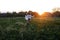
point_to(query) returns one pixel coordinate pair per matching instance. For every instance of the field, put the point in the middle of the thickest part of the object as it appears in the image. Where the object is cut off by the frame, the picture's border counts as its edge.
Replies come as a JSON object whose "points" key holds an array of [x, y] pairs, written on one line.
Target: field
{"points": [[38, 29]]}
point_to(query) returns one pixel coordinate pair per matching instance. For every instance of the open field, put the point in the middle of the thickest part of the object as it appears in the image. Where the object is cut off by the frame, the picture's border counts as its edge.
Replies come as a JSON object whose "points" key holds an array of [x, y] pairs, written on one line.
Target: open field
{"points": [[38, 29]]}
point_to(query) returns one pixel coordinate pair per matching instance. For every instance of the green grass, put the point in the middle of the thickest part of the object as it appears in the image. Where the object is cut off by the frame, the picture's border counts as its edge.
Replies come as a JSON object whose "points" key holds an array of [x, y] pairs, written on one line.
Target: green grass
{"points": [[38, 29]]}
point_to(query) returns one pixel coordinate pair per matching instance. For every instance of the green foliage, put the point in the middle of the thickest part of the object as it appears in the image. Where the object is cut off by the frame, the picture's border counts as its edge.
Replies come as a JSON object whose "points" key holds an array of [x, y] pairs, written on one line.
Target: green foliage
{"points": [[38, 29]]}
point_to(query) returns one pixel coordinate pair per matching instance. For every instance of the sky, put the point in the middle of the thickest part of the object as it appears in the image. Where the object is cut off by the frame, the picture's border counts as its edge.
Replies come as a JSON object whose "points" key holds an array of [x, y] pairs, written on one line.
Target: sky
{"points": [[39, 6]]}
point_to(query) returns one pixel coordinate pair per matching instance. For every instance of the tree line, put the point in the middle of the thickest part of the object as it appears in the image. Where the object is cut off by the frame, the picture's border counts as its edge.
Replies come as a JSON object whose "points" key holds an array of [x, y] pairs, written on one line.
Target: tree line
{"points": [[22, 14], [49, 14], [19, 14]]}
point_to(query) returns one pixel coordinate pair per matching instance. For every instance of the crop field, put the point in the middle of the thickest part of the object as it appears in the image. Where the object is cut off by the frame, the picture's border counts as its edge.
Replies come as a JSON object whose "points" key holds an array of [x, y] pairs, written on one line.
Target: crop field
{"points": [[38, 29]]}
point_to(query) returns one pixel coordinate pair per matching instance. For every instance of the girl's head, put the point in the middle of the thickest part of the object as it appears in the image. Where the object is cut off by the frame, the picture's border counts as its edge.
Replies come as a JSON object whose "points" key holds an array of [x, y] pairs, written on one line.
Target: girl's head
{"points": [[29, 13]]}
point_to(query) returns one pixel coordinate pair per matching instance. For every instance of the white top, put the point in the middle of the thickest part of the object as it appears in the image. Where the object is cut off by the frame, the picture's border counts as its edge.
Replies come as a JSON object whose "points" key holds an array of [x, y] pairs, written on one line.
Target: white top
{"points": [[28, 17]]}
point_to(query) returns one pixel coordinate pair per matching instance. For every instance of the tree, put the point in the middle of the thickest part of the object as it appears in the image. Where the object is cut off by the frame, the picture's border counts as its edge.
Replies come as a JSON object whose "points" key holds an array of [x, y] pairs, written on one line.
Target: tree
{"points": [[21, 14], [35, 14], [56, 14], [46, 14], [14, 14], [8, 14], [56, 9]]}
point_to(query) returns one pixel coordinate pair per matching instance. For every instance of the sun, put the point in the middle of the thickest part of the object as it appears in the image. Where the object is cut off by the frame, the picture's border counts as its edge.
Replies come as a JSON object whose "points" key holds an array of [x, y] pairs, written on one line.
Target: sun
{"points": [[40, 12], [45, 10]]}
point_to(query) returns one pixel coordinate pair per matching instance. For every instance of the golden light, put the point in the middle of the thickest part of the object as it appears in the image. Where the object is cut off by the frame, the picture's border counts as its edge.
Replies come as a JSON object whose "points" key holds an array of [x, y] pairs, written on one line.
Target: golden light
{"points": [[41, 12]]}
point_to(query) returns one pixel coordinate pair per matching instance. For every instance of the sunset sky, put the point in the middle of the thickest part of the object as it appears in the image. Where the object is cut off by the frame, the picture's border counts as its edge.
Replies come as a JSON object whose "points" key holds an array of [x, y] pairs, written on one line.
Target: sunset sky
{"points": [[26, 5]]}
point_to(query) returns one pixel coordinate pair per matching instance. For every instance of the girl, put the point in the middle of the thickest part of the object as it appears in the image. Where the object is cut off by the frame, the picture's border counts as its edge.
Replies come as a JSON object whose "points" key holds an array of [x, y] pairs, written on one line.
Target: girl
{"points": [[28, 17]]}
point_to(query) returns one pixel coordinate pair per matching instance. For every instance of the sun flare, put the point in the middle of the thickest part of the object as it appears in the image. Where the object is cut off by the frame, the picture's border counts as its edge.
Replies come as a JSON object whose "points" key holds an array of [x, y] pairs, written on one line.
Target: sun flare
{"points": [[42, 11]]}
